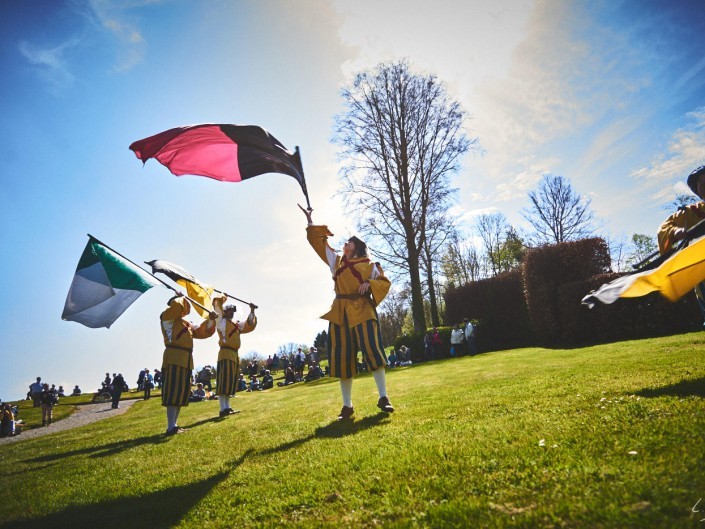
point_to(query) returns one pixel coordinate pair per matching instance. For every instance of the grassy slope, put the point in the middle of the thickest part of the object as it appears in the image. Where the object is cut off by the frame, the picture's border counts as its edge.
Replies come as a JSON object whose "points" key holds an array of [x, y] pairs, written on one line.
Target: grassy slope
{"points": [[462, 450]]}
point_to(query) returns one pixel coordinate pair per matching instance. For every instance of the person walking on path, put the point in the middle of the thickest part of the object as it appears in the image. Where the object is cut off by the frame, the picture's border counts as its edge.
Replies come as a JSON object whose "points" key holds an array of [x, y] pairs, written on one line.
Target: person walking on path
{"points": [[360, 285], [177, 361], [35, 390], [229, 332], [116, 387]]}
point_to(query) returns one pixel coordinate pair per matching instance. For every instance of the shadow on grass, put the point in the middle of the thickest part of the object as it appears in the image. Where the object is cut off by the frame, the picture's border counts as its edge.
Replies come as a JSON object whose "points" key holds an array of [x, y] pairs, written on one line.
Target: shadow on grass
{"points": [[103, 450], [333, 430], [161, 509], [684, 388]]}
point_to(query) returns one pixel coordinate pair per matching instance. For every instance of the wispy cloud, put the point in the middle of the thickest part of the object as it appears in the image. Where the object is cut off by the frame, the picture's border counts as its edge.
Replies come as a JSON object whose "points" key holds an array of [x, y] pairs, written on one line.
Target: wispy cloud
{"points": [[114, 17], [50, 63], [684, 152]]}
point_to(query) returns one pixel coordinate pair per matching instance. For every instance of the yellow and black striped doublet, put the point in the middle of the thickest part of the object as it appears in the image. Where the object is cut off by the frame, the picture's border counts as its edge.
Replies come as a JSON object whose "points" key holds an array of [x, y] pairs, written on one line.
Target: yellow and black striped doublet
{"points": [[177, 385], [344, 342], [226, 378]]}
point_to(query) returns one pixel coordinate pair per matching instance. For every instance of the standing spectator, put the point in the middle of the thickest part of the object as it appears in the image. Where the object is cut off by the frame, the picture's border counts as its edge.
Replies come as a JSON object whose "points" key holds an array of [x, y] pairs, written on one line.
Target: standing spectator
{"points": [[428, 346], [275, 363], [177, 361], [436, 343], [48, 400], [312, 356], [360, 286], [35, 390], [470, 344], [147, 384], [158, 378], [116, 387], [229, 332], [457, 337], [140, 379]]}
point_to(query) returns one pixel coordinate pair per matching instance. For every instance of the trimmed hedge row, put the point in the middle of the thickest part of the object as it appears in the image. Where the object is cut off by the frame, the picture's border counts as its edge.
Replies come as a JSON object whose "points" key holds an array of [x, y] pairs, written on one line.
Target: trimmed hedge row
{"points": [[541, 303]]}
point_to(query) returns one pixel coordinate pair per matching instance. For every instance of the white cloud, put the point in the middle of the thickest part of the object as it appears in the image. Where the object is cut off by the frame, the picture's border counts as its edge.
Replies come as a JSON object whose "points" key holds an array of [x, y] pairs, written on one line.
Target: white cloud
{"points": [[50, 62], [684, 152]]}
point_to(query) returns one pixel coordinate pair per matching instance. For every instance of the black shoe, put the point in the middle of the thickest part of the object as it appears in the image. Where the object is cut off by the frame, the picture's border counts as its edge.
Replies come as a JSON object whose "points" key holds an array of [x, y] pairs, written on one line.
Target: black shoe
{"points": [[345, 413], [175, 430], [384, 405]]}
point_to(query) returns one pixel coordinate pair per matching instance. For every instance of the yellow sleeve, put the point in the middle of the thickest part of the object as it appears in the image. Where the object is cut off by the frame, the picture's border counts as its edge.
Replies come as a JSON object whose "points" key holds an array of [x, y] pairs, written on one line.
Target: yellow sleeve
{"points": [[318, 239], [249, 327], [686, 219], [204, 330], [379, 286]]}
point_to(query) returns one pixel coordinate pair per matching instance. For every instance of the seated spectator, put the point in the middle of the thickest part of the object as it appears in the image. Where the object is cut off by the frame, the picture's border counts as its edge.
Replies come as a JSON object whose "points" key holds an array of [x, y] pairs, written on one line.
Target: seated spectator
{"points": [[198, 394], [61, 391], [254, 384], [267, 380], [289, 377], [7, 420], [392, 359], [314, 373], [76, 391], [241, 384]]}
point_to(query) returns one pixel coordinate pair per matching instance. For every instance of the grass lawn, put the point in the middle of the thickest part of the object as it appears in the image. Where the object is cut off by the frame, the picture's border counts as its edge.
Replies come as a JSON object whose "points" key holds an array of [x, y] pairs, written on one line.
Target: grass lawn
{"points": [[604, 436]]}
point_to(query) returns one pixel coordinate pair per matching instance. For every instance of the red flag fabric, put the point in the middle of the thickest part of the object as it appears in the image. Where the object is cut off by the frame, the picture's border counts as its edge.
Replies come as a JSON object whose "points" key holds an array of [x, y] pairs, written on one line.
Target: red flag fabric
{"points": [[229, 153]]}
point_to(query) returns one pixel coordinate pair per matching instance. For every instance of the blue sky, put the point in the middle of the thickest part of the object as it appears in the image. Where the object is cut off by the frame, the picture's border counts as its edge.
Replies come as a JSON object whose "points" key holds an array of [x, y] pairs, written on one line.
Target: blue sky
{"points": [[609, 94]]}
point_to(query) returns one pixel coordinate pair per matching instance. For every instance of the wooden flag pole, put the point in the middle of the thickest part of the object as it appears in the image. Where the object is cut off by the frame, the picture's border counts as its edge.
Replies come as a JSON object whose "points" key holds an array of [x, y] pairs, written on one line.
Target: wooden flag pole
{"points": [[150, 273], [233, 297], [303, 180]]}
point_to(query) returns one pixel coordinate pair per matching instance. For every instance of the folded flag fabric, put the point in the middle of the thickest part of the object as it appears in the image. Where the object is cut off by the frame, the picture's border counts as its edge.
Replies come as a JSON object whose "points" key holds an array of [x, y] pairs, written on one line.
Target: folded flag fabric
{"points": [[229, 153], [103, 287], [673, 275], [194, 288]]}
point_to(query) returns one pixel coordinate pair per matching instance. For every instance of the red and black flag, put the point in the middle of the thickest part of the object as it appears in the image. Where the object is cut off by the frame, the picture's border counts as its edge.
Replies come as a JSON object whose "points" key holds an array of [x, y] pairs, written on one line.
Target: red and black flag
{"points": [[229, 153]]}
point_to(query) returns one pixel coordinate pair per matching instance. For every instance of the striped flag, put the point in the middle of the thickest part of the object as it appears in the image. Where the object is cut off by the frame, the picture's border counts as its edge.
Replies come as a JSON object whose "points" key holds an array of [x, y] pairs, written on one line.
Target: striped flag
{"points": [[103, 287], [194, 288], [229, 153]]}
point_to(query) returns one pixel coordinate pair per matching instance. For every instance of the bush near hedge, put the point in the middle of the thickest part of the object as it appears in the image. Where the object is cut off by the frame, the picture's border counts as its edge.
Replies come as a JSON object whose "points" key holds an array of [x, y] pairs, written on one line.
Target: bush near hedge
{"points": [[498, 308], [548, 267]]}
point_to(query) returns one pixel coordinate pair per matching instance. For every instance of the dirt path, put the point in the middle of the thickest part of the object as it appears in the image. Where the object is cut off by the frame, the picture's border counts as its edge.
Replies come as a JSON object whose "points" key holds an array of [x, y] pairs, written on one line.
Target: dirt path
{"points": [[85, 414]]}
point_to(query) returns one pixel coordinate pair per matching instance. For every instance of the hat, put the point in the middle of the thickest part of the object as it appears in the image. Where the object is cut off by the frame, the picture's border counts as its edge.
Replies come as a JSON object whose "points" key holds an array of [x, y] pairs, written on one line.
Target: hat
{"points": [[693, 178]]}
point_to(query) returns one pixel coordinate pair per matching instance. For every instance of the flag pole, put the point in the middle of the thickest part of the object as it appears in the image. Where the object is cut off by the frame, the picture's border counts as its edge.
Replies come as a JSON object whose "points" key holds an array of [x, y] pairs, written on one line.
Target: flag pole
{"points": [[303, 180], [151, 274], [233, 297]]}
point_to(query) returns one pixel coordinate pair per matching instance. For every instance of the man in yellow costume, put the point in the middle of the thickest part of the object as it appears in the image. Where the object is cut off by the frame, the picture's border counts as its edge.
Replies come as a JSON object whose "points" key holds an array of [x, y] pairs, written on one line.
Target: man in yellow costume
{"points": [[229, 340], [360, 285], [177, 362], [675, 227]]}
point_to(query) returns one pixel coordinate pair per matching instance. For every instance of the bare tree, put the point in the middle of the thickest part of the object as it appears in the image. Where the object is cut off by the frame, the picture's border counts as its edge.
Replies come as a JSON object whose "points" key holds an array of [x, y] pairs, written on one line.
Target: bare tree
{"points": [[681, 201], [460, 262], [557, 212], [492, 227], [392, 313], [402, 138], [642, 247], [439, 230]]}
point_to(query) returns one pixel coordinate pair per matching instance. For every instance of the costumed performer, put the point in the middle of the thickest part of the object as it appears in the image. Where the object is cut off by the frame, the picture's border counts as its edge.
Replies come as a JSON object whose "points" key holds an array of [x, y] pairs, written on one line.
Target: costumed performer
{"points": [[674, 228], [229, 340], [360, 285], [177, 362]]}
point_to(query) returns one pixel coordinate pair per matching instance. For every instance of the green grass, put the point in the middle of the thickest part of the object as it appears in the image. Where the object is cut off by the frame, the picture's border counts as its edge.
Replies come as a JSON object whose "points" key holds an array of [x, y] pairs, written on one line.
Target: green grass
{"points": [[463, 449]]}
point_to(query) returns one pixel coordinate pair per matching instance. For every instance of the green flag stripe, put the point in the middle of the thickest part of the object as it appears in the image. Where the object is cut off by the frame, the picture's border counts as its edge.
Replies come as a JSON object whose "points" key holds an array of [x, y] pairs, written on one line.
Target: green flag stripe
{"points": [[122, 274]]}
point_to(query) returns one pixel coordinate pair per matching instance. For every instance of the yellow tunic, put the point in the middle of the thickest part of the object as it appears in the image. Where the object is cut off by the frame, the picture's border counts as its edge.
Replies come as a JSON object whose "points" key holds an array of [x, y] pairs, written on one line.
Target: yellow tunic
{"points": [[229, 332], [179, 334], [348, 276], [685, 218]]}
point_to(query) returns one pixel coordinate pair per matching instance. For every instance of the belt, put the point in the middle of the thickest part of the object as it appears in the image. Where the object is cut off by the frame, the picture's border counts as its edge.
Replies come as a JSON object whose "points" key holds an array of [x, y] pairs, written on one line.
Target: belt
{"points": [[350, 296], [229, 348], [189, 349]]}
